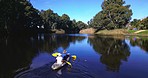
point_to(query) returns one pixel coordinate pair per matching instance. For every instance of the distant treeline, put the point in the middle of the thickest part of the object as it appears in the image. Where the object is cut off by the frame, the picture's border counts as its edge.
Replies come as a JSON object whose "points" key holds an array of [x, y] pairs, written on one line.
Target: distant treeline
{"points": [[19, 16], [139, 24]]}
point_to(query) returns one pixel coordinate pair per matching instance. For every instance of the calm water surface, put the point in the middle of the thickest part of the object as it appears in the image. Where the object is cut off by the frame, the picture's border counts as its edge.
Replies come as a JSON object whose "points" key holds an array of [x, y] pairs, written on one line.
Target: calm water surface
{"points": [[97, 56]]}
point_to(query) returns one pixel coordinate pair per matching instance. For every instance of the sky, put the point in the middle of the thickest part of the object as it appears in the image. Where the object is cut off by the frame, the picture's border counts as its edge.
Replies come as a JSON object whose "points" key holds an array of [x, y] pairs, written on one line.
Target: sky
{"points": [[84, 10]]}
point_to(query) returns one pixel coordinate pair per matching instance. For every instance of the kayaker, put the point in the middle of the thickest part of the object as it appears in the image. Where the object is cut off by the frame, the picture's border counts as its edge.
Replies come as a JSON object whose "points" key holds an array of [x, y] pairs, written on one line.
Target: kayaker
{"points": [[64, 52], [59, 58], [65, 55]]}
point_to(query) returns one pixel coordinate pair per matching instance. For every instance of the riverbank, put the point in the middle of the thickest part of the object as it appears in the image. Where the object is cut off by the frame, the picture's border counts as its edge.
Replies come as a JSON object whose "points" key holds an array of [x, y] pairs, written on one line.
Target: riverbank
{"points": [[124, 32], [112, 32], [116, 32], [87, 31]]}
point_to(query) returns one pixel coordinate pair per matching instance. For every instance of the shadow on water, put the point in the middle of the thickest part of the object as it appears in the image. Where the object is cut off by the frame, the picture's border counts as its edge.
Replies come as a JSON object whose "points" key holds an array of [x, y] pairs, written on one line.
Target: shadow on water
{"points": [[15, 53], [113, 51], [18, 52]]}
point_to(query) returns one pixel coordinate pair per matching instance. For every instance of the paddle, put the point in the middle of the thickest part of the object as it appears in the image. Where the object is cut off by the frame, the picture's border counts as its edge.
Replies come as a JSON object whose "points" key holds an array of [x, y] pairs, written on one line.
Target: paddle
{"points": [[68, 63], [74, 57], [55, 54]]}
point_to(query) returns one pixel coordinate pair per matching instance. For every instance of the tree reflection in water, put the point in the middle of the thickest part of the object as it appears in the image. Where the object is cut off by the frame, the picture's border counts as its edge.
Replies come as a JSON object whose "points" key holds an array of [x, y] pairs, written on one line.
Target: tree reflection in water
{"points": [[142, 42], [113, 51]]}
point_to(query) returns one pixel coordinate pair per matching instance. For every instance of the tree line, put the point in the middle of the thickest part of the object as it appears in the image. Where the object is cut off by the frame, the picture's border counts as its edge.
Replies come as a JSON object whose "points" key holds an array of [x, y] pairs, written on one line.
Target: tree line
{"points": [[139, 24], [19, 16]]}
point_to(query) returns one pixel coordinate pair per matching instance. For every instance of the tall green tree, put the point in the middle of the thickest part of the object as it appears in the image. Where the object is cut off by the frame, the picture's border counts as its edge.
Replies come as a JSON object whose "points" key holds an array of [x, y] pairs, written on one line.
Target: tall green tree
{"points": [[65, 17], [50, 19], [67, 24], [81, 25], [114, 14], [18, 16]]}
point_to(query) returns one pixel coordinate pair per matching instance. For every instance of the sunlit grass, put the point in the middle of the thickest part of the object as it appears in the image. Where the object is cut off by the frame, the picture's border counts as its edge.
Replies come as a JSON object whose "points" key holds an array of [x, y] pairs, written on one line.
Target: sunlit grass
{"points": [[144, 32], [113, 32], [131, 31]]}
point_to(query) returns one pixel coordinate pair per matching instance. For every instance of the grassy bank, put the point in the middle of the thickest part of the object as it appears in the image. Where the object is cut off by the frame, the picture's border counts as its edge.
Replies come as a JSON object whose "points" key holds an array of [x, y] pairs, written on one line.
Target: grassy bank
{"points": [[131, 31], [138, 32], [123, 32], [144, 32], [112, 32]]}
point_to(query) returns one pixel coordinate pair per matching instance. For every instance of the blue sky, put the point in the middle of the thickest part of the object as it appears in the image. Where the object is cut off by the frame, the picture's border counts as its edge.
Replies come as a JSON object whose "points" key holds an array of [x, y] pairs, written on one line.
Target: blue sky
{"points": [[84, 10]]}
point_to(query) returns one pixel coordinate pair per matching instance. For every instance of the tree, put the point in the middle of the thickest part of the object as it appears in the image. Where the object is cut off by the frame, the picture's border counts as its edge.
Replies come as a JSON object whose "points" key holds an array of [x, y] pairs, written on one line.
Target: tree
{"points": [[114, 14], [50, 19], [144, 23], [65, 17], [67, 24], [135, 22], [140, 24], [18, 16], [33, 19], [81, 25]]}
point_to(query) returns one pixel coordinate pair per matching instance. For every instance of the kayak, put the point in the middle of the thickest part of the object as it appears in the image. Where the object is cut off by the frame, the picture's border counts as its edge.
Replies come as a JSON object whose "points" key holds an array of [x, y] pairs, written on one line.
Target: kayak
{"points": [[56, 66]]}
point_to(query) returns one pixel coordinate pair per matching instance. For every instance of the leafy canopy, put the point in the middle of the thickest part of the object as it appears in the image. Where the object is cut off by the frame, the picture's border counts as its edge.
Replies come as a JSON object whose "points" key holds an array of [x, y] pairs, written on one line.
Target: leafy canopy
{"points": [[114, 15]]}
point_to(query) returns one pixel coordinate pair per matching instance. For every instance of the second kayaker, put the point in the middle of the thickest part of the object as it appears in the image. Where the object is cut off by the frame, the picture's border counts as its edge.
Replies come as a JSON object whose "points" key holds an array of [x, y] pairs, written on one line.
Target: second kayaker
{"points": [[59, 58]]}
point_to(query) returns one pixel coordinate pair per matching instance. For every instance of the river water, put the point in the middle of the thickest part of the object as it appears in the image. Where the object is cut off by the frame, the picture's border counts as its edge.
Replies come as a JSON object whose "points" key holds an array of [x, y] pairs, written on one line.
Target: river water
{"points": [[97, 56]]}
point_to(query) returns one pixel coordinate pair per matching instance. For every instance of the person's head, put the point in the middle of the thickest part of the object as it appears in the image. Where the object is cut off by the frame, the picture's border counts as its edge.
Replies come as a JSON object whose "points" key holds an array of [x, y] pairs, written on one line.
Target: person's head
{"points": [[64, 51]]}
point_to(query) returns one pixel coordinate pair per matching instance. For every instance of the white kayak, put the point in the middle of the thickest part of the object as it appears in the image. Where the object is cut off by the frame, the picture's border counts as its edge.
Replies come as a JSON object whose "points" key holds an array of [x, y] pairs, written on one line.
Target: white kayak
{"points": [[56, 66]]}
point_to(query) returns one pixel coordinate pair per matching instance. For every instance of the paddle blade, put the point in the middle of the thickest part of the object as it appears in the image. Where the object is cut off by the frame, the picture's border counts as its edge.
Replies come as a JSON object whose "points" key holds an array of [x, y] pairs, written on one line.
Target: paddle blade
{"points": [[74, 57], [68, 63], [55, 54]]}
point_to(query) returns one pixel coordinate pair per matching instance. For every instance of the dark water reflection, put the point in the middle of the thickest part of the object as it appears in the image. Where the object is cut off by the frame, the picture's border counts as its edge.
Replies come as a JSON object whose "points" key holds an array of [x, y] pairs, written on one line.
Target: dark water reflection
{"points": [[140, 42], [113, 51], [98, 56]]}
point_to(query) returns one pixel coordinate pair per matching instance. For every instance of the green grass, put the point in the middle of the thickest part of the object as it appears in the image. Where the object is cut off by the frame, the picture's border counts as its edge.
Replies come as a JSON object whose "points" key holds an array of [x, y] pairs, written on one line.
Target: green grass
{"points": [[131, 31], [122, 32], [144, 32]]}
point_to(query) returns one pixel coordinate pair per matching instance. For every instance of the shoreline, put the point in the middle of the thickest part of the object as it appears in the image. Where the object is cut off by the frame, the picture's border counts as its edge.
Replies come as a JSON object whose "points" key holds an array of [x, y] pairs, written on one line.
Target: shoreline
{"points": [[116, 32], [143, 35]]}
